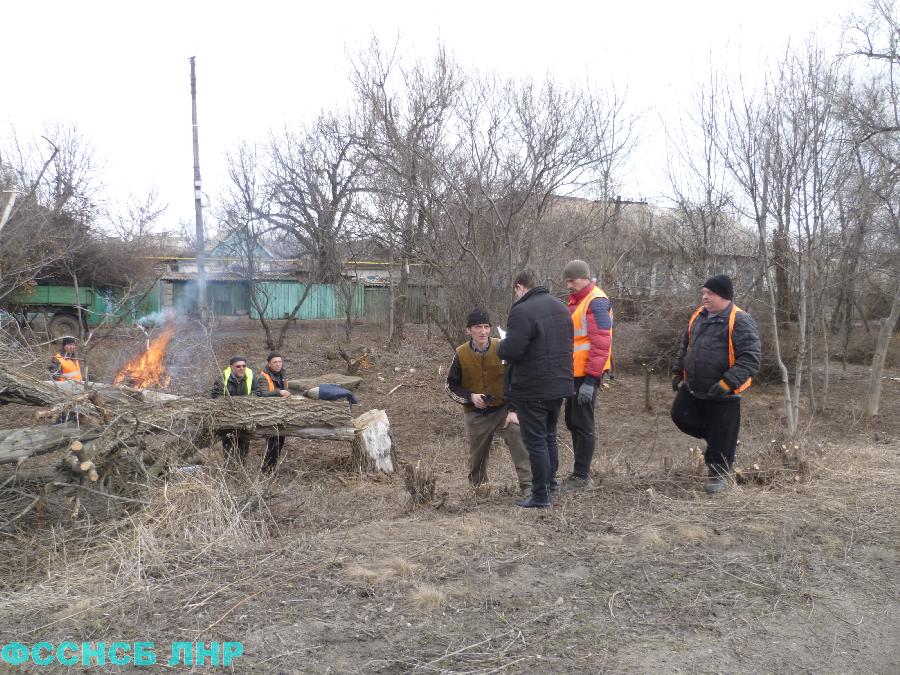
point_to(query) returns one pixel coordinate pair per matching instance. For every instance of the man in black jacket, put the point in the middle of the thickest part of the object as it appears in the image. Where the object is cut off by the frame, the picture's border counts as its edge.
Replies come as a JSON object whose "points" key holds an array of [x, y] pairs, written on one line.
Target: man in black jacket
{"points": [[538, 349], [272, 383], [719, 353], [236, 380]]}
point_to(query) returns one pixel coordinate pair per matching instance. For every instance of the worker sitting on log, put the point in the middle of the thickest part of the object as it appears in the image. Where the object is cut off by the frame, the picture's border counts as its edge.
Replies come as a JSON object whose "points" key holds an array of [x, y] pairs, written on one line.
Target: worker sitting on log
{"points": [[475, 379], [64, 366], [272, 383], [236, 380]]}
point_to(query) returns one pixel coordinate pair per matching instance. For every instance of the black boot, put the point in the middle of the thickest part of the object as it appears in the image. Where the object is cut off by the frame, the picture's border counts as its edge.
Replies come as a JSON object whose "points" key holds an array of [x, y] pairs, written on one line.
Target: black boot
{"points": [[532, 503]]}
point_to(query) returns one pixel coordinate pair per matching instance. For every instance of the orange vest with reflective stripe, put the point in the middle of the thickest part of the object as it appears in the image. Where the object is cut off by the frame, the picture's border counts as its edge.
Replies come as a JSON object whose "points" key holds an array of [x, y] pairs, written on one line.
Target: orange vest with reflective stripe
{"points": [[269, 380], [731, 358], [582, 340], [69, 369]]}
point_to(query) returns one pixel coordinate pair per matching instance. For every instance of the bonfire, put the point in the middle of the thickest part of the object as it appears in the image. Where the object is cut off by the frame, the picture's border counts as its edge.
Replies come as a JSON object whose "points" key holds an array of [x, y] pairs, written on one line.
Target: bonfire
{"points": [[148, 369]]}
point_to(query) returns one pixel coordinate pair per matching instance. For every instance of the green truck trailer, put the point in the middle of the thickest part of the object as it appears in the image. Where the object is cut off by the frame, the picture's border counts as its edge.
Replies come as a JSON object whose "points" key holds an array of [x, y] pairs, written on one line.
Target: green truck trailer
{"points": [[69, 312]]}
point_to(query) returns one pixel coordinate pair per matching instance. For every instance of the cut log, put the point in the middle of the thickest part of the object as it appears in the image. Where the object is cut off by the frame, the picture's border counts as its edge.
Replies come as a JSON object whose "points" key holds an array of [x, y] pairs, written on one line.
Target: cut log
{"points": [[302, 384], [373, 447], [20, 444]]}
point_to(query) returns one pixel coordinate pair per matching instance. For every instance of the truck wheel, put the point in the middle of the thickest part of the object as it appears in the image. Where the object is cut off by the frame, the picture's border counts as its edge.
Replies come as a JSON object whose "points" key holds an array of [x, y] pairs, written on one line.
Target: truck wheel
{"points": [[63, 324]]}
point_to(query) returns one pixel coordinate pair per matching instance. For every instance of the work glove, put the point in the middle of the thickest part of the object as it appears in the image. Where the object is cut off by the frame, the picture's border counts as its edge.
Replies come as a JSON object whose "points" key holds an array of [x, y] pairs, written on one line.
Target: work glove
{"points": [[501, 333], [586, 393], [719, 389], [677, 380]]}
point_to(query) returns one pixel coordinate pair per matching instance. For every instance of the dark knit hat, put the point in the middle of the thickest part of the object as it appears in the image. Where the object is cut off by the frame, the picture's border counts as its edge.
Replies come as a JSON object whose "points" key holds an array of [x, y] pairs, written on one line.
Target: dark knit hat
{"points": [[69, 340], [235, 359], [576, 269], [720, 285], [273, 355], [478, 316]]}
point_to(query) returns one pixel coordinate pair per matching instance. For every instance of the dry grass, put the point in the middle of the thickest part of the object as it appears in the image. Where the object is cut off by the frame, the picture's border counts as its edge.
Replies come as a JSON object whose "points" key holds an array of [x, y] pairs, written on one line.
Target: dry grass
{"points": [[428, 597]]}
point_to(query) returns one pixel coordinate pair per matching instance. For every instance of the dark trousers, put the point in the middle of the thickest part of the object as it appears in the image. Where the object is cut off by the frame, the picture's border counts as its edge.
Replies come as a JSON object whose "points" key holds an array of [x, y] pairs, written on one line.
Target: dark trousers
{"points": [[580, 422], [718, 421], [236, 445], [274, 444], [538, 420]]}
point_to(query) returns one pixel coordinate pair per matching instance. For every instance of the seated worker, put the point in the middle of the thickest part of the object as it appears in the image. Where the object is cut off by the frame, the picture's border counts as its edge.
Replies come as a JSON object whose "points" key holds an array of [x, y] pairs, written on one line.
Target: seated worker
{"points": [[475, 379]]}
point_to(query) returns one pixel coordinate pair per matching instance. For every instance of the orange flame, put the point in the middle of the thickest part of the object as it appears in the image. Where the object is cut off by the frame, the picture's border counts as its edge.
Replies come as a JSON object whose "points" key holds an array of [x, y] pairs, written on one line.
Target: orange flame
{"points": [[147, 369]]}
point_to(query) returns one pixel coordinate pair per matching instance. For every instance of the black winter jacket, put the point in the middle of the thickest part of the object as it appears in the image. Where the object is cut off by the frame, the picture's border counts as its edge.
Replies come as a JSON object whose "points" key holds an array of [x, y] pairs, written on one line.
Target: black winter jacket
{"points": [[538, 349], [706, 360]]}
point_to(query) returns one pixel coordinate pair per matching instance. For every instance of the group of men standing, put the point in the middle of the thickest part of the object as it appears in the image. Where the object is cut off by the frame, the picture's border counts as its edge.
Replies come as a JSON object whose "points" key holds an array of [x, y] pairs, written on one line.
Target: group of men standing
{"points": [[554, 354]]}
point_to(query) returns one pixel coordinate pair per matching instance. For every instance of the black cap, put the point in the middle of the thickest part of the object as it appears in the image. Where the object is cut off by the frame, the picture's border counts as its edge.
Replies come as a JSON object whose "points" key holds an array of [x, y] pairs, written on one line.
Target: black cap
{"points": [[720, 285], [478, 316], [273, 355], [235, 359], [69, 340]]}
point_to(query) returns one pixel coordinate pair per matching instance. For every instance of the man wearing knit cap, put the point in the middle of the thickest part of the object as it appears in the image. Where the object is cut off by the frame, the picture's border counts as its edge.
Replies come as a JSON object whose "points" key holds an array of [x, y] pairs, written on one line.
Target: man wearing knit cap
{"points": [[592, 356], [272, 383], [475, 380], [65, 366], [719, 353], [235, 380]]}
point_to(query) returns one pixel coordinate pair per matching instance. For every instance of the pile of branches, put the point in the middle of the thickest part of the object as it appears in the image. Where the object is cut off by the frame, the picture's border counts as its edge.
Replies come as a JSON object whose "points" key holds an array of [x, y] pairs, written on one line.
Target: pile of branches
{"points": [[111, 437]]}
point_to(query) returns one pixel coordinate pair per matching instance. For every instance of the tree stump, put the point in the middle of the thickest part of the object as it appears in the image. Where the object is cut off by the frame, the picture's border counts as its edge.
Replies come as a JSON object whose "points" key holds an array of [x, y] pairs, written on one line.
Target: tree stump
{"points": [[373, 447]]}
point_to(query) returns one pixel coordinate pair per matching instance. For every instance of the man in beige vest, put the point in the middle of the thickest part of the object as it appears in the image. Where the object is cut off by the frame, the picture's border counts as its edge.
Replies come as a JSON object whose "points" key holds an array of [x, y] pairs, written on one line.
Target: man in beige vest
{"points": [[475, 380]]}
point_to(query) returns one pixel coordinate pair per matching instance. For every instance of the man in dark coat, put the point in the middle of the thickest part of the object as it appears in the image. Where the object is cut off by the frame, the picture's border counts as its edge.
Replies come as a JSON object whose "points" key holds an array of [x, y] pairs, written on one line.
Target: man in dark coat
{"points": [[272, 383], [538, 350], [719, 353], [236, 380]]}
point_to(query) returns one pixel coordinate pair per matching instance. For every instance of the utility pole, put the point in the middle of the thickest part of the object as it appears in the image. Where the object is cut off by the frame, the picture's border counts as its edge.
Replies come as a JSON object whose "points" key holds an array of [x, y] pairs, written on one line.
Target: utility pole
{"points": [[198, 206]]}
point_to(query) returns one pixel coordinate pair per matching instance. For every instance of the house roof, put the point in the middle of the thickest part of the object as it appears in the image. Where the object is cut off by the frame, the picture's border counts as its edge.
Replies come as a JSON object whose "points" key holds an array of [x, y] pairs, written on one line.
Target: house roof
{"points": [[221, 275]]}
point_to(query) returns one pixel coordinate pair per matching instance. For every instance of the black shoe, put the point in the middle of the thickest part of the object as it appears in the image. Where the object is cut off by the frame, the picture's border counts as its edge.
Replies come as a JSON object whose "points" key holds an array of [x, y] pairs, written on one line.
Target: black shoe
{"points": [[715, 485], [531, 503]]}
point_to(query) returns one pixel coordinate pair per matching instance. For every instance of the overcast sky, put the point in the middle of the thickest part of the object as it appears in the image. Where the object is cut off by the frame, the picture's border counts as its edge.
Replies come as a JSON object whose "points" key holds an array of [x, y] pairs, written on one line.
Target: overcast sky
{"points": [[120, 72]]}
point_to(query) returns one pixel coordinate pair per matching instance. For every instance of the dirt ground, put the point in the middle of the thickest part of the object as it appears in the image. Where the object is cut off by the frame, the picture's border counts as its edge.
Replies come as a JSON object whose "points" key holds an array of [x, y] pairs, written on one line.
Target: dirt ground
{"points": [[323, 570]]}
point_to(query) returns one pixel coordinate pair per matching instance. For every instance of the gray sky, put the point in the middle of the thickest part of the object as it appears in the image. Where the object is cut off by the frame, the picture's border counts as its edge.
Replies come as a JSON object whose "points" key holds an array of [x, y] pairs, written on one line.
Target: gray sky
{"points": [[119, 70]]}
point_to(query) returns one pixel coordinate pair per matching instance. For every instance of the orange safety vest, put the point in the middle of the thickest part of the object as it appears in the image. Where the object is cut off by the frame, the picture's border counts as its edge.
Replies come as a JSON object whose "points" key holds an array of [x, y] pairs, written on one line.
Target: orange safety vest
{"points": [[731, 358], [269, 380], [582, 341], [69, 369]]}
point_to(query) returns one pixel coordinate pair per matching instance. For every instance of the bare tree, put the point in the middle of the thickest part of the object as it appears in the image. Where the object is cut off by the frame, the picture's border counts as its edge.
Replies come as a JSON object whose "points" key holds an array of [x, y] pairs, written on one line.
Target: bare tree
{"points": [[875, 117], [409, 109]]}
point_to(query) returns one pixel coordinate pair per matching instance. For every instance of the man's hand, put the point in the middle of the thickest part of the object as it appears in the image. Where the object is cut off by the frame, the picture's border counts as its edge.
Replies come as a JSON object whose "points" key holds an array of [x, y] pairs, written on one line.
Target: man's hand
{"points": [[478, 401], [586, 393], [284, 393], [511, 418], [719, 389], [677, 381]]}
